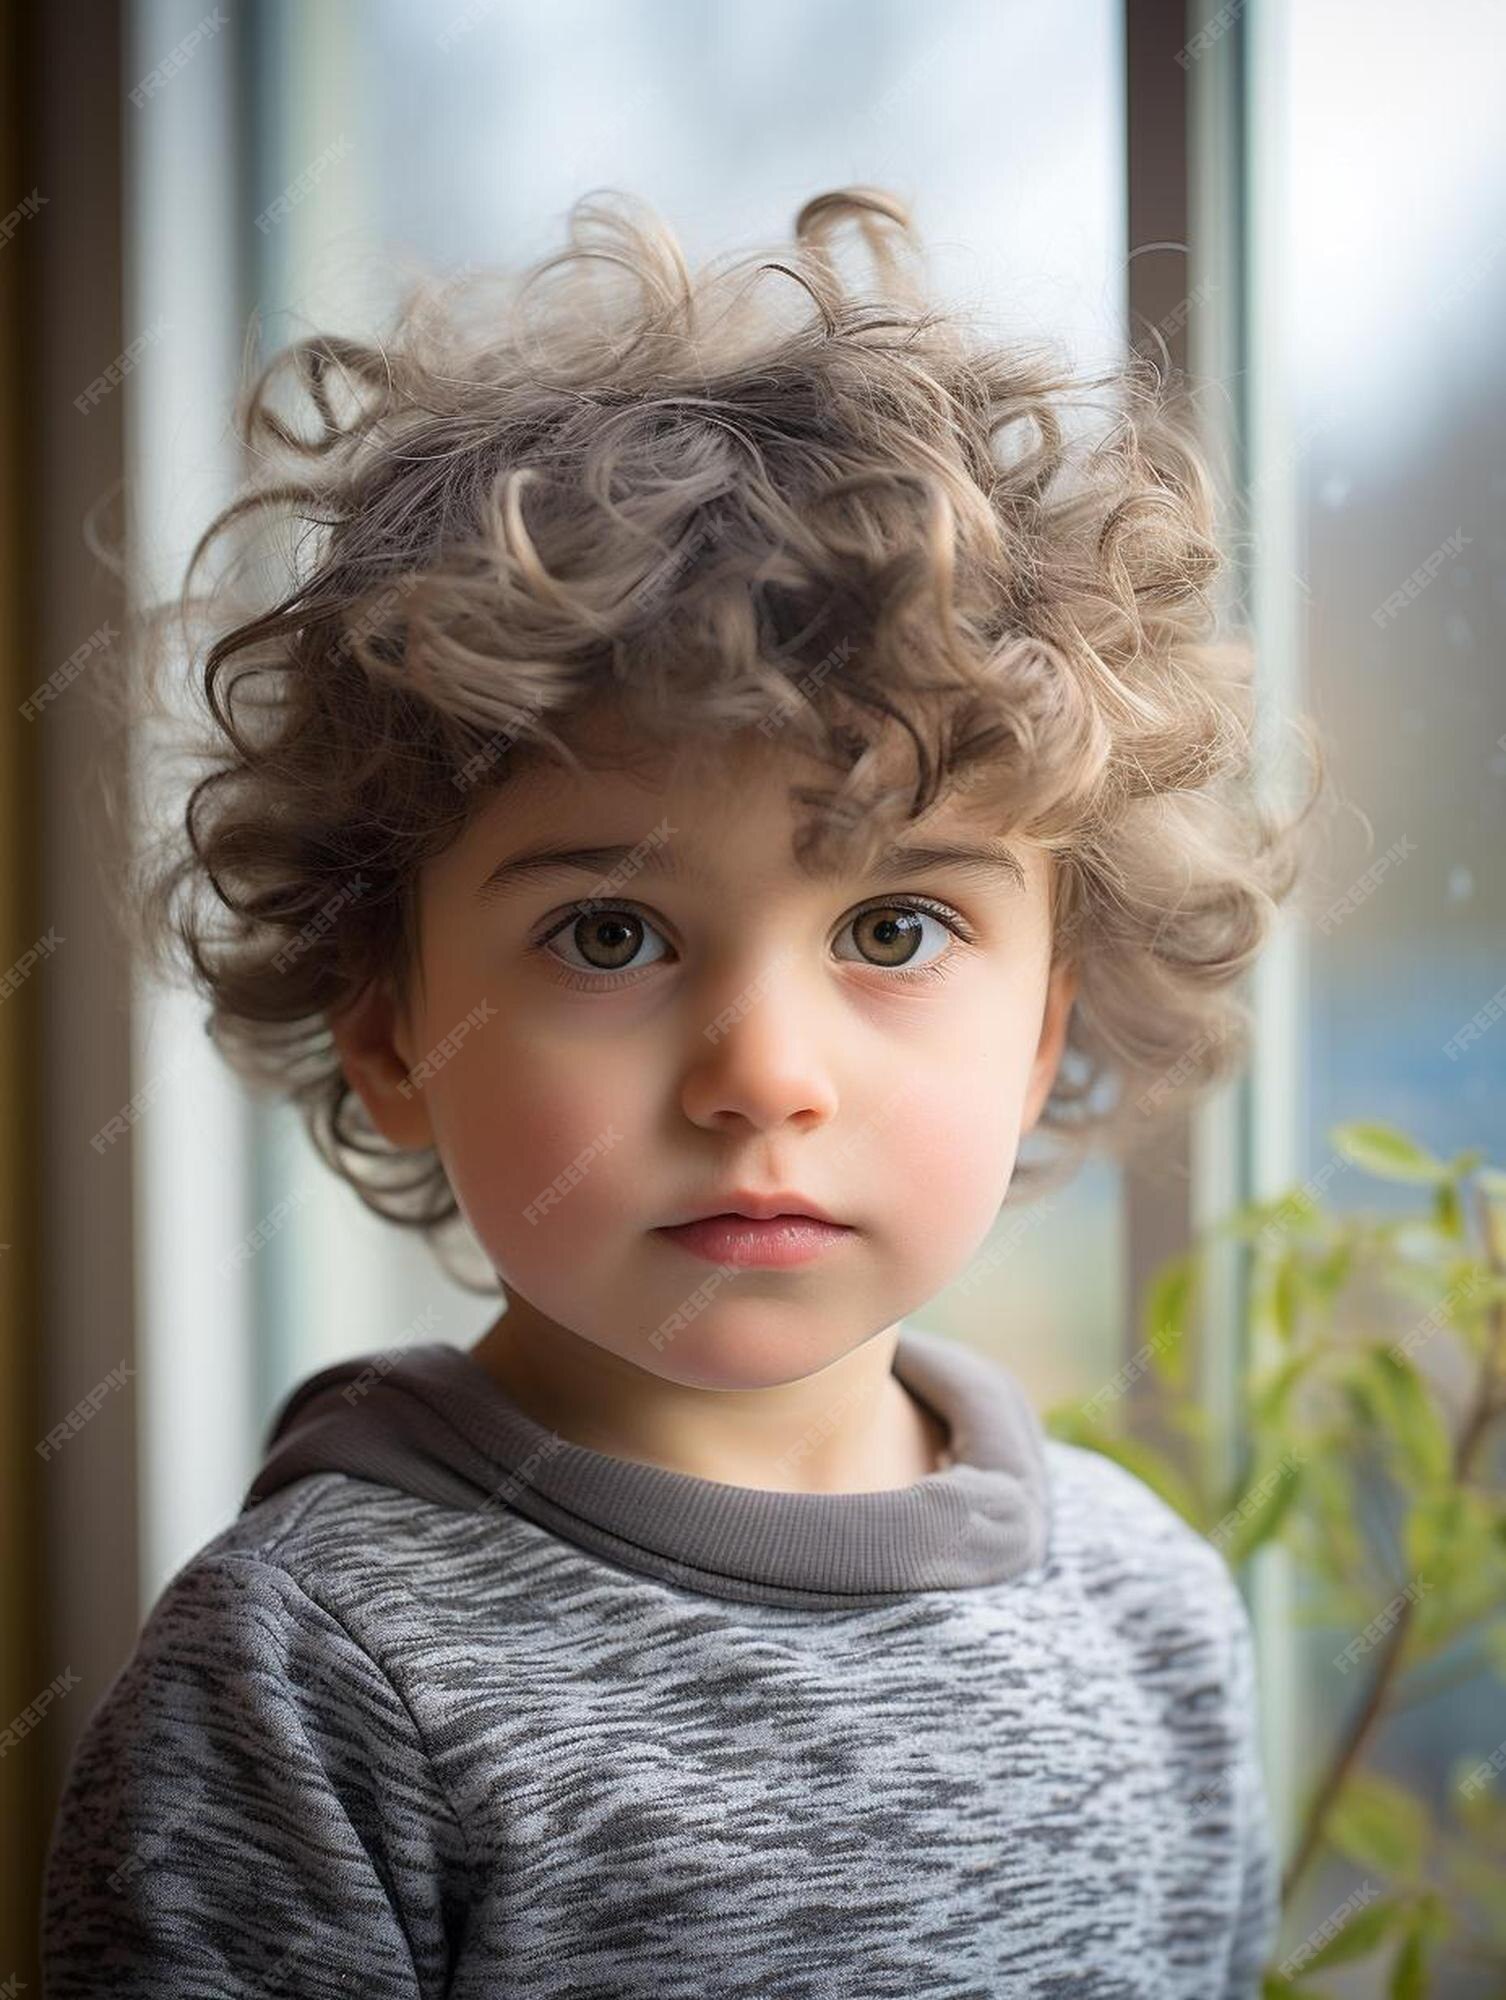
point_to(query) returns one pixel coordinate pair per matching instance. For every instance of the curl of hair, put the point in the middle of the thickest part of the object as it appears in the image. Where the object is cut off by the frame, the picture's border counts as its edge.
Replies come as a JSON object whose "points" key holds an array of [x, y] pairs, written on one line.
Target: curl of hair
{"points": [[858, 526]]}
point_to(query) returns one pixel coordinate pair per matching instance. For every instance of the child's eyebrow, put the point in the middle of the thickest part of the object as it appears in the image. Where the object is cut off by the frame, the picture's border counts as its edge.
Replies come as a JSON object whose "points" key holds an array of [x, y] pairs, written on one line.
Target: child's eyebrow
{"points": [[992, 859]]}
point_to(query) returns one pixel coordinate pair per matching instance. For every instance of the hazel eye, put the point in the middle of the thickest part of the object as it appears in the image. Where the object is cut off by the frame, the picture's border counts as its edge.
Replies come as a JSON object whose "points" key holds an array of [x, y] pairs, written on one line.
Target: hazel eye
{"points": [[607, 940], [597, 947], [890, 935]]}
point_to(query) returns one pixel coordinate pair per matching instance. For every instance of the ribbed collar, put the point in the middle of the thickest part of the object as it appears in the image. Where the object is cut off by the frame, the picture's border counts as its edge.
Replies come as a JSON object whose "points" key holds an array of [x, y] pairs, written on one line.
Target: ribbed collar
{"points": [[432, 1422]]}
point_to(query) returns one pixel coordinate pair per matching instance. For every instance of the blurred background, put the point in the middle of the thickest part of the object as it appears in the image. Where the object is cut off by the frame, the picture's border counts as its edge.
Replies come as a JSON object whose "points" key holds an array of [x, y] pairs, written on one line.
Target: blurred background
{"points": [[1306, 205]]}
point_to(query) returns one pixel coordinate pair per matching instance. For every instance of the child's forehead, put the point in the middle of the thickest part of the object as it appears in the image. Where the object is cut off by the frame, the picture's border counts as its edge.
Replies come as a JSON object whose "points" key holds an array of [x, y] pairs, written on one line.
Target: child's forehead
{"points": [[725, 815], [702, 786], [665, 807], [699, 776]]}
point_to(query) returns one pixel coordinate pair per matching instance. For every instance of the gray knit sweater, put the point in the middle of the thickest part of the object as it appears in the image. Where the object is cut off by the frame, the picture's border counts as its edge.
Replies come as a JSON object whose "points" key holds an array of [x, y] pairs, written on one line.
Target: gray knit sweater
{"points": [[457, 1708]]}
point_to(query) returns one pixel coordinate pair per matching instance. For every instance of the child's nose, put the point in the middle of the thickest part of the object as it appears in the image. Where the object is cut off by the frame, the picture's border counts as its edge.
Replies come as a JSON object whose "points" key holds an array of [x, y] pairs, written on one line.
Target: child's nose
{"points": [[765, 1056]]}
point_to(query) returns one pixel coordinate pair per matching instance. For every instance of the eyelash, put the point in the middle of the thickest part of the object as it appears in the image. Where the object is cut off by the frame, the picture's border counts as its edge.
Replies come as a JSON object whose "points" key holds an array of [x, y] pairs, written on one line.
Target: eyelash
{"points": [[607, 982]]}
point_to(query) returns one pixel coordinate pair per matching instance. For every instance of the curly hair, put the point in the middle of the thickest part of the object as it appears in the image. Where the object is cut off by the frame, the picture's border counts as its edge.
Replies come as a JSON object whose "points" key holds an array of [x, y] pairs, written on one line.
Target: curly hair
{"points": [[862, 525]]}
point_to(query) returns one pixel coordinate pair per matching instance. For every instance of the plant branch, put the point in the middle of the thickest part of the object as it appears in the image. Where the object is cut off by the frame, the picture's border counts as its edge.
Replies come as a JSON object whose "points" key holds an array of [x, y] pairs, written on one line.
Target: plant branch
{"points": [[1359, 1734], [1483, 1408]]}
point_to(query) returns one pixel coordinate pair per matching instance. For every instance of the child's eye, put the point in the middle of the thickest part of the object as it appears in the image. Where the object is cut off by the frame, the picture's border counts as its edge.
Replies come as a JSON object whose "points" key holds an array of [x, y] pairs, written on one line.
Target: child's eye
{"points": [[612, 935], [891, 936], [609, 938]]}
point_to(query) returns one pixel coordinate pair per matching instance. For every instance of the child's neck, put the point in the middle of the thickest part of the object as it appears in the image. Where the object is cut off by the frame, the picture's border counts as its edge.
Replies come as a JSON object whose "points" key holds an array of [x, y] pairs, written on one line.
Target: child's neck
{"points": [[855, 1428]]}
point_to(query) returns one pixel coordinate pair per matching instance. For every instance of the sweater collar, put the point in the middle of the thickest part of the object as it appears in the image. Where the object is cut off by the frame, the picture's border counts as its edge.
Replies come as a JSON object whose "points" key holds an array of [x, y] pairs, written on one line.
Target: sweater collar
{"points": [[433, 1423]]}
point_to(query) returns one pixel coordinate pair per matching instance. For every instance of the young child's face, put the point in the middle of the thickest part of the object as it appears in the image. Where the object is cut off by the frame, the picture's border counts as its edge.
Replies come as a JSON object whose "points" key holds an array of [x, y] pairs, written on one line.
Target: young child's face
{"points": [[579, 1108]]}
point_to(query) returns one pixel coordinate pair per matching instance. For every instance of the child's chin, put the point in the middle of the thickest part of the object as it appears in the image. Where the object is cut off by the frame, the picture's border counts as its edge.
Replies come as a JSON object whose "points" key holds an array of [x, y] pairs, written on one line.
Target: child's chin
{"points": [[761, 1345]]}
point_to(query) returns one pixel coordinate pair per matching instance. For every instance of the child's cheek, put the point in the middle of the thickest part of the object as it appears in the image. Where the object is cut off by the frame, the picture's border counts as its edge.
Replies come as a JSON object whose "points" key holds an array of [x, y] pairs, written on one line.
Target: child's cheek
{"points": [[543, 1160], [949, 1152]]}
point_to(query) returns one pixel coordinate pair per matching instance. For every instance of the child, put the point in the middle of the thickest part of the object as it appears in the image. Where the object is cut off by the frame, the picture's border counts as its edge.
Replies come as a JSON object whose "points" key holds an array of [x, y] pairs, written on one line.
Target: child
{"points": [[707, 777]]}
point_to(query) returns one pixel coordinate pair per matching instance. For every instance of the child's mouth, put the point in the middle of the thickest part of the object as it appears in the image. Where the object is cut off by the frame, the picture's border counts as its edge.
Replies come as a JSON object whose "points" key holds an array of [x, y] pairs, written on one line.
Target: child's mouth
{"points": [[780, 1241]]}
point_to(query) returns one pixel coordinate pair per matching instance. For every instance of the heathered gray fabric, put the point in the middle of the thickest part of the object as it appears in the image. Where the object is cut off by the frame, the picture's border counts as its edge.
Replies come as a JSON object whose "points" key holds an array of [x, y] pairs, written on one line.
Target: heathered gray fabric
{"points": [[445, 1712], [439, 1427]]}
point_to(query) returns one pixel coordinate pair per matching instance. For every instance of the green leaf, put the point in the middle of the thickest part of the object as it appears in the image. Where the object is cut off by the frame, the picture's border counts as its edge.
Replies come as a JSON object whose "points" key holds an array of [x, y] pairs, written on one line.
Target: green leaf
{"points": [[1268, 1393], [1286, 1296], [1329, 1488], [1466, 1293], [1388, 1154], [1492, 1187], [1192, 1420], [1469, 1280], [1293, 1213], [1419, 1280], [1448, 1214], [1276, 1292], [1260, 1511], [1361, 1934], [1411, 1415], [1409, 1972], [1435, 1920], [1362, 1392], [1327, 1275], [1164, 1322], [1379, 1825], [1243, 1224], [1453, 1540], [1434, 1529]]}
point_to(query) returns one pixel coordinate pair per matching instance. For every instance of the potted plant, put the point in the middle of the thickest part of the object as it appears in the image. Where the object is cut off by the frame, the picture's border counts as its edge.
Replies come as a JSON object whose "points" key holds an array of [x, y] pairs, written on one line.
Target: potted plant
{"points": [[1367, 1455]]}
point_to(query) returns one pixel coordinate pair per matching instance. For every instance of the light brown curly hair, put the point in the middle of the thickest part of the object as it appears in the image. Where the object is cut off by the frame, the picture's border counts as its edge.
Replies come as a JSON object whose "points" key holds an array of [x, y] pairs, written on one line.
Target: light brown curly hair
{"points": [[861, 525]]}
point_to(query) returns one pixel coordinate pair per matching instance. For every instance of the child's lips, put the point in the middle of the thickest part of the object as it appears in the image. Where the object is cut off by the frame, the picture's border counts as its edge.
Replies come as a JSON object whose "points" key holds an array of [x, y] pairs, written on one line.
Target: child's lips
{"points": [[779, 1242]]}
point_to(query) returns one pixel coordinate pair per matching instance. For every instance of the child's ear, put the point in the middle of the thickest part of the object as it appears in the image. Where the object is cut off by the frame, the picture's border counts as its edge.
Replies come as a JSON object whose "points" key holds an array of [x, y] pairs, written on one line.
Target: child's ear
{"points": [[1060, 993], [372, 1042]]}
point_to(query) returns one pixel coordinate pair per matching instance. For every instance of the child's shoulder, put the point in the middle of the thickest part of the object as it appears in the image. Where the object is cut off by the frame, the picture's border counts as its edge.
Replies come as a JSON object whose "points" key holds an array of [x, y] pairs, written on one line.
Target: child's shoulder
{"points": [[1156, 1591], [1084, 1478], [349, 1550], [330, 1515], [1118, 1533]]}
